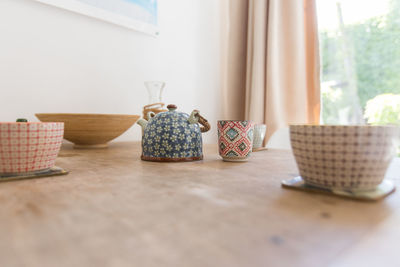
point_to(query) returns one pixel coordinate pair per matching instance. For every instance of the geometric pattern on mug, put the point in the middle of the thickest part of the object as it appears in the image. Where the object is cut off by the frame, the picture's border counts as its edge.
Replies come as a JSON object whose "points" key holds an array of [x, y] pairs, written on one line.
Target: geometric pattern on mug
{"points": [[26, 147], [235, 138]]}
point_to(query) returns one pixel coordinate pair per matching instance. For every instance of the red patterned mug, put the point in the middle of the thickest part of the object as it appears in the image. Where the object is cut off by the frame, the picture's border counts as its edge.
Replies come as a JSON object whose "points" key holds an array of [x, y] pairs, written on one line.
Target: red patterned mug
{"points": [[235, 139]]}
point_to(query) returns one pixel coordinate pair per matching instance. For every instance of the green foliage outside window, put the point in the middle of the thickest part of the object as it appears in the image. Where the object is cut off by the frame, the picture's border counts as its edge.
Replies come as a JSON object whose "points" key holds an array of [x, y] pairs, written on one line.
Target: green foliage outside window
{"points": [[383, 109], [375, 46], [371, 50]]}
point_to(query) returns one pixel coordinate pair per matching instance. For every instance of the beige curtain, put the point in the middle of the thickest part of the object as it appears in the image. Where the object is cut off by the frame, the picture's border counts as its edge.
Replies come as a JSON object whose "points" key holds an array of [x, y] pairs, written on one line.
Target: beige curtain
{"points": [[270, 62]]}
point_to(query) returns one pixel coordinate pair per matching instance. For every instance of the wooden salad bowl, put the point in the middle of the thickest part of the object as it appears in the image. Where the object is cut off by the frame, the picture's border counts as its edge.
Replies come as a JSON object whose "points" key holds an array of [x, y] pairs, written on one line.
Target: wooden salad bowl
{"points": [[90, 130]]}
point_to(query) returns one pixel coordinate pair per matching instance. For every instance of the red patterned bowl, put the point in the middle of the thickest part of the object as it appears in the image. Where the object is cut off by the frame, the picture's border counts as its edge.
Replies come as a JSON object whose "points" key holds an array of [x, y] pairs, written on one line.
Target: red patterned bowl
{"points": [[29, 146]]}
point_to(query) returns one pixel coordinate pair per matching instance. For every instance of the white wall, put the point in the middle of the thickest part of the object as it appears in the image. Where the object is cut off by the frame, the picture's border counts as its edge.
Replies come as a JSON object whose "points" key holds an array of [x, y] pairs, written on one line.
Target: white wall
{"points": [[53, 60]]}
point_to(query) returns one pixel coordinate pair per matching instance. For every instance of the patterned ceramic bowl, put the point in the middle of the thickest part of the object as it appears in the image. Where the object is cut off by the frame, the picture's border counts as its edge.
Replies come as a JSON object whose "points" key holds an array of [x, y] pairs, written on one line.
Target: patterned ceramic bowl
{"points": [[343, 157], [29, 146]]}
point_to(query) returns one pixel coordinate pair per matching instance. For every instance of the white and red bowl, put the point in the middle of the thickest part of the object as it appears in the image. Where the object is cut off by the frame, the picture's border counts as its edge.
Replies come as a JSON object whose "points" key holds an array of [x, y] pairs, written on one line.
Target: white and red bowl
{"points": [[29, 146], [343, 157]]}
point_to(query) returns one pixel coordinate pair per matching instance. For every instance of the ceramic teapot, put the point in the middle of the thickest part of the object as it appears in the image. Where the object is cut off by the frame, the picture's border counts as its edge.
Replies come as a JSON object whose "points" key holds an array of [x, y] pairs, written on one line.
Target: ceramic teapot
{"points": [[173, 135]]}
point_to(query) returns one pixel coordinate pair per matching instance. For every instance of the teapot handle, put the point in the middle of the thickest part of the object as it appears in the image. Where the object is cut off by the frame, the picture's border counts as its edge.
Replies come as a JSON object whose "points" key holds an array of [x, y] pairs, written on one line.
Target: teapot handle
{"points": [[205, 125], [153, 109], [154, 105]]}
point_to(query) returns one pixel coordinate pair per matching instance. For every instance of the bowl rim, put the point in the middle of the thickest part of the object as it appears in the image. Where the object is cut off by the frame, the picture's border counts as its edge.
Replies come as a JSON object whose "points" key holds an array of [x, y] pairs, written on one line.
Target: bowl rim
{"points": [[88, 114]]}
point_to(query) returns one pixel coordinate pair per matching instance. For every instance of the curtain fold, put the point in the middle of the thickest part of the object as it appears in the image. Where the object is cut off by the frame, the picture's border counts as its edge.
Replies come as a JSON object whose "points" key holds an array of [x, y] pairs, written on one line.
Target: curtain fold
{"points": [[271, 62], [234, 49]]}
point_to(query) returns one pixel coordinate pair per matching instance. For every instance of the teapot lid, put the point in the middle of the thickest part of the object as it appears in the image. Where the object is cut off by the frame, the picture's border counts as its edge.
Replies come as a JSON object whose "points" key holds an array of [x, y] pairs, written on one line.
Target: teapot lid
{"points": [[172, 107]]}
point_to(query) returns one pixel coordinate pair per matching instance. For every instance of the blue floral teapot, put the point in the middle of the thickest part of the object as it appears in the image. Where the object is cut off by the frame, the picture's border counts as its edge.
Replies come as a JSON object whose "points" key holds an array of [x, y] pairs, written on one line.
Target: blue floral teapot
{"points": [[173, 135]]}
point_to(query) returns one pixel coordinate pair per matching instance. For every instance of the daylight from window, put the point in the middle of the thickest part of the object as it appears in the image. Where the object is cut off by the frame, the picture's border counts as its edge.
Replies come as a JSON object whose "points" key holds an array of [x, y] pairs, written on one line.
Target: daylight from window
{"points": [[360, 60]]}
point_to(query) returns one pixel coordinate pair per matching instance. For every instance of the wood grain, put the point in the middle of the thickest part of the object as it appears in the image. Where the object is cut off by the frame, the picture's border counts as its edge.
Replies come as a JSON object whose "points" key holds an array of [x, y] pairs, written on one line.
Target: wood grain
{"points": [[115, 210]]}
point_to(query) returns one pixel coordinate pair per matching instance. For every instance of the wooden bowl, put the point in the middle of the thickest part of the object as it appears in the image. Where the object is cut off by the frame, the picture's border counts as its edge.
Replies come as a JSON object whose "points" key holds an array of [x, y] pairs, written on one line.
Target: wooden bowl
{"points": [[90, 130]]}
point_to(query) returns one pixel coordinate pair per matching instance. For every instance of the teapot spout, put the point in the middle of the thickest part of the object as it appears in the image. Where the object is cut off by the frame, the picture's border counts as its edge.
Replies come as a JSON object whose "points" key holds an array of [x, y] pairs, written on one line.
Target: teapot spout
{"points": [[143, 123]]}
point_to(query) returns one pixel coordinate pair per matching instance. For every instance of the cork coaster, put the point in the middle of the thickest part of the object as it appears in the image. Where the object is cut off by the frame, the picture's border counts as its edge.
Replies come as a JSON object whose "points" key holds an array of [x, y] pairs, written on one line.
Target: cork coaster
{"points": [[54, 171], [381, 191]]}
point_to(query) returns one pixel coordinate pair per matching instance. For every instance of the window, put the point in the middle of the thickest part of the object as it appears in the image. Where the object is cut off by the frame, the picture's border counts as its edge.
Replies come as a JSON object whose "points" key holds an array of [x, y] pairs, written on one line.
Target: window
{"points": [[360, 59]]}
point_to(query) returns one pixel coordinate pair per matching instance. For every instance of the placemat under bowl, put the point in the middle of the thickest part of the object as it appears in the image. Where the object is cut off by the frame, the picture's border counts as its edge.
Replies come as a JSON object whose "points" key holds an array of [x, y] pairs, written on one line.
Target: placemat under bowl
{"points": [[54, 171], [381, 191]]}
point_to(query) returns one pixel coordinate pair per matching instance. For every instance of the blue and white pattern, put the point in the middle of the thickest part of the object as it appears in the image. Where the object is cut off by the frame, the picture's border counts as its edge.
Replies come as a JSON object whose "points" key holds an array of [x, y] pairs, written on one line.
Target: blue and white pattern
{"points": [[170, 135]]}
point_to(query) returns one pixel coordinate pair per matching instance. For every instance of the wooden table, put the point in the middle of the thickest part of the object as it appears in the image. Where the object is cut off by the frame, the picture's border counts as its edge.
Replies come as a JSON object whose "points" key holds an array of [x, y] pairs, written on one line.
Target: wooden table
{"points": [[115, 210]]}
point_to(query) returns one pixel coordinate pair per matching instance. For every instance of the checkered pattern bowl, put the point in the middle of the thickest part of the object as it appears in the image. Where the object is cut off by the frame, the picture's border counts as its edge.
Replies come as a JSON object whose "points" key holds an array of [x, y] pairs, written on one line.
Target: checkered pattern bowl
{"points": [[29, 146], [343, 157]]}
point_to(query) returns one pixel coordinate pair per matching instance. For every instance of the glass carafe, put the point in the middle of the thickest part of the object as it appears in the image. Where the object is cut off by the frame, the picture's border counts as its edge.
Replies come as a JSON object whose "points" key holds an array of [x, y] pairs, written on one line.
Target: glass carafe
{"points": [[155, 106], [155, 89]]}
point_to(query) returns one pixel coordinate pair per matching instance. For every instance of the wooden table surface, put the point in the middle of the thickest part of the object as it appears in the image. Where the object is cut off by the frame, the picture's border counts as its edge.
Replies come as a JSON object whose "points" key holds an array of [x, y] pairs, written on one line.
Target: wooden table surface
{"points": [[115, 210]]}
